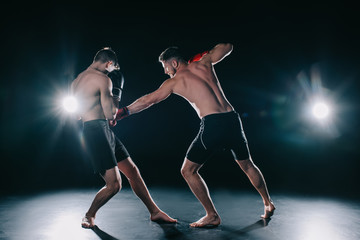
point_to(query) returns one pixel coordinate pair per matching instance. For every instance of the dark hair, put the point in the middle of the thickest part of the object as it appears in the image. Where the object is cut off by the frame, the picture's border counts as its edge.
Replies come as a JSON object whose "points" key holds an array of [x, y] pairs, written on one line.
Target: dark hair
{"points": [[106, 54], [171, 52]]}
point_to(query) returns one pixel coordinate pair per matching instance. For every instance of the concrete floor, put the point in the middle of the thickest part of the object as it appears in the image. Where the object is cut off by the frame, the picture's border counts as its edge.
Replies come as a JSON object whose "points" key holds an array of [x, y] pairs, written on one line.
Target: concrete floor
{"points": [[57, 215]]}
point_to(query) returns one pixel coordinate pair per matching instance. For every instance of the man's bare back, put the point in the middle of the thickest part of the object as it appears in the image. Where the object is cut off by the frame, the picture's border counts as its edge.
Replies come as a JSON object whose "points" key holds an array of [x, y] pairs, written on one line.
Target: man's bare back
{"points": [[198, 84], [92, 88]]}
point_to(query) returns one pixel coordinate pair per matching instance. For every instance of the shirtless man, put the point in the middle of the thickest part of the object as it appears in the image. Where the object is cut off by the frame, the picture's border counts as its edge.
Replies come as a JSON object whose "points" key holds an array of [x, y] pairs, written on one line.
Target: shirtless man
{"points": [[220, 127], [93, 89]]}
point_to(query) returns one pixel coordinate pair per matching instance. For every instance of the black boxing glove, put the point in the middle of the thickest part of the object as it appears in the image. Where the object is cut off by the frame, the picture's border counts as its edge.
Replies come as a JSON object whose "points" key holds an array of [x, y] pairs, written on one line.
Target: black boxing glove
{"points": [[117, 79]]}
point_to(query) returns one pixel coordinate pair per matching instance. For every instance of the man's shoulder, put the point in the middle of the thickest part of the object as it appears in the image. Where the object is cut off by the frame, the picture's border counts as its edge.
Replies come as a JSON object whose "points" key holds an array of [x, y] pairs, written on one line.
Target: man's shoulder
{"points": [[89, 80], [169, 81], [94, 76], [203, 64]]}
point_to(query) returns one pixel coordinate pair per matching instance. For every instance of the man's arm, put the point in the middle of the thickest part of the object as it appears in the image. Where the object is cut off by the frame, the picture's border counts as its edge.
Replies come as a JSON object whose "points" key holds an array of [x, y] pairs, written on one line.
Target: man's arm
{"points": [[152, 98], [107, 103], [219, 52]]}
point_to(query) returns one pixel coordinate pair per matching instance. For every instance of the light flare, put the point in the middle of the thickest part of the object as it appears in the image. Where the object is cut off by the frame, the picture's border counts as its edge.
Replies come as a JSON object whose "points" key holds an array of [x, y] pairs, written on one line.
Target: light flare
{"points": [[70, 104], [320, 110]]}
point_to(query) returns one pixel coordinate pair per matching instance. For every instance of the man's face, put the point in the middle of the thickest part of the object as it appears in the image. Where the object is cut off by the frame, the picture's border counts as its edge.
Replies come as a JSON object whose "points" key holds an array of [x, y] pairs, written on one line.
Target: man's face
{"points": [[168, 68]]}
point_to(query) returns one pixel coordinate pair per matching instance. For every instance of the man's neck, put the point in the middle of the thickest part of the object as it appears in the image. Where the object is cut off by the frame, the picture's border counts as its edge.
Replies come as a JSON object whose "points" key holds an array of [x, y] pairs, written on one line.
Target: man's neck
{"points": [[182, 65], [98, 67]]}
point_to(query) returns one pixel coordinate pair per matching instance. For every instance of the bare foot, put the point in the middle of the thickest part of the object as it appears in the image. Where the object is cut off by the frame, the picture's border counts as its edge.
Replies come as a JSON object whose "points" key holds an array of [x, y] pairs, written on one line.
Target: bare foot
{"points": [[207, 221], [88, 222], [268, 211], [162, 217]]}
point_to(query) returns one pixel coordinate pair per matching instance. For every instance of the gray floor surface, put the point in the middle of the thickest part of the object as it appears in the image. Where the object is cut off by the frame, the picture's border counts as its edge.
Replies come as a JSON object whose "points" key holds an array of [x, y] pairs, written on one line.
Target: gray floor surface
{"points": [[57, 215]]}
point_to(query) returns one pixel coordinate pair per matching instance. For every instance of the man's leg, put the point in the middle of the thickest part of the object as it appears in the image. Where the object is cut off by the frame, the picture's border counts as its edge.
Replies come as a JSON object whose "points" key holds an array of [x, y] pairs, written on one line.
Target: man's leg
{"points": [[257, 180], [112, 186], [198, 186], [130, 170]]}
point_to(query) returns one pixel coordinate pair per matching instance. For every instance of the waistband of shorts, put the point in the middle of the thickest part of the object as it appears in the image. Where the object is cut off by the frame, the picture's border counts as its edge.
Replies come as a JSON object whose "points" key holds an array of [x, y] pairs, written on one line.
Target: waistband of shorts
{"points": [[96, 122], [219, 115]]}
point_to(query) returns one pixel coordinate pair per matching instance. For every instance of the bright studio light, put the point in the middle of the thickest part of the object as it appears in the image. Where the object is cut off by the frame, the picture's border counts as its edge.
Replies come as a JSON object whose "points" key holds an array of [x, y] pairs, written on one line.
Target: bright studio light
{"points": [[320, 110], [70, 104]]}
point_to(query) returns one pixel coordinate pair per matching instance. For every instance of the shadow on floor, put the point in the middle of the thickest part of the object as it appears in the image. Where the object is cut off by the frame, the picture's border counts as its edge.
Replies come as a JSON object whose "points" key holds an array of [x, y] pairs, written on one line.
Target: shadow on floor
{"points": [[258, 224], [171, 231], [184, 231], [103, 235]]}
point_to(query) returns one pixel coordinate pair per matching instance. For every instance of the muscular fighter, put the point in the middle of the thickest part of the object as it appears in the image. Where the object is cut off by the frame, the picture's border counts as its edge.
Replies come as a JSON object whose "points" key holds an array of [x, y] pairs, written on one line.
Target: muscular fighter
{"points": [[220, 127], [93, 89]]}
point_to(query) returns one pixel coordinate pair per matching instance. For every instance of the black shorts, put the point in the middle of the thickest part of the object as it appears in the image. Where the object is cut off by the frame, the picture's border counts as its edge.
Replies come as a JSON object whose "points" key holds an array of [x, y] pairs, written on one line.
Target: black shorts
{"points": [[102, 147], [220, 131]]}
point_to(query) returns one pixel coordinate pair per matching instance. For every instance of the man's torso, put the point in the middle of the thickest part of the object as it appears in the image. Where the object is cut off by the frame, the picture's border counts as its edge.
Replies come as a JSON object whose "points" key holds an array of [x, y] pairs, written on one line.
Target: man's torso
{"points": [[86, 88], [198, 84]]}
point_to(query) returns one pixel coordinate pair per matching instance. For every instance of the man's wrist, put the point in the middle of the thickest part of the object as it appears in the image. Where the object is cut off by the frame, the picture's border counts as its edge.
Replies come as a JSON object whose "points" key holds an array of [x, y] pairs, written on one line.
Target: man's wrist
{"points": [[127, 110], [122, 113]]}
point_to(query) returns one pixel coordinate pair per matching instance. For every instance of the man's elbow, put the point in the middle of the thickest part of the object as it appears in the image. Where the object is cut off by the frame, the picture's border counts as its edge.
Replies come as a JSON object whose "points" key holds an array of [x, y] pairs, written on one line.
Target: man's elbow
{"points": [[228, 47]]}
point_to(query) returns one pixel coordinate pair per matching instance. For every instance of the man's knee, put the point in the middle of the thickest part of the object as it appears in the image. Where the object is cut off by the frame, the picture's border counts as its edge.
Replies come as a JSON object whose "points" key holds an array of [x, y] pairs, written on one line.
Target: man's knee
{"points": [[133, 172], [184, 172], [188, 171], [115, 186]]}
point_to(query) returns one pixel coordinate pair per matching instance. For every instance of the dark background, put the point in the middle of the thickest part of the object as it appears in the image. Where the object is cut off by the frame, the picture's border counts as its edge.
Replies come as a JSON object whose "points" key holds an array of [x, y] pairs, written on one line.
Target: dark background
{"points": [[44, 47]]}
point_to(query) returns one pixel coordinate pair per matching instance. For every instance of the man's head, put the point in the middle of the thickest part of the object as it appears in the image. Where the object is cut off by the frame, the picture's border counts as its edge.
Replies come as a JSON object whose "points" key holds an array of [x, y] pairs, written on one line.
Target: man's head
{"points": [[108, 56], [171, 59]]}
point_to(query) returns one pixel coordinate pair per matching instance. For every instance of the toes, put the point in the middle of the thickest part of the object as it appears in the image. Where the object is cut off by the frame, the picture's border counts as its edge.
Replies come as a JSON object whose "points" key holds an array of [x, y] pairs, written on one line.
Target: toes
{"points": [[193, 225], [197, 224], [169, 219], [162, 218]]}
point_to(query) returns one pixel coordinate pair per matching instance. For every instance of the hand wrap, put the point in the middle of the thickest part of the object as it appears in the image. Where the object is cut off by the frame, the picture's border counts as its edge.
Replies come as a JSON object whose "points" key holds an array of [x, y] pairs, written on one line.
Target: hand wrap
{"points": [[122, 113]]}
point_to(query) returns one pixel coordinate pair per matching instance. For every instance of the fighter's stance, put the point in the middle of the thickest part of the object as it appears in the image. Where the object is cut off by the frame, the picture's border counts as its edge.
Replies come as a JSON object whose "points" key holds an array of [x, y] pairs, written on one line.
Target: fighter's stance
{"points": [[220, 127], [93, 89]]}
